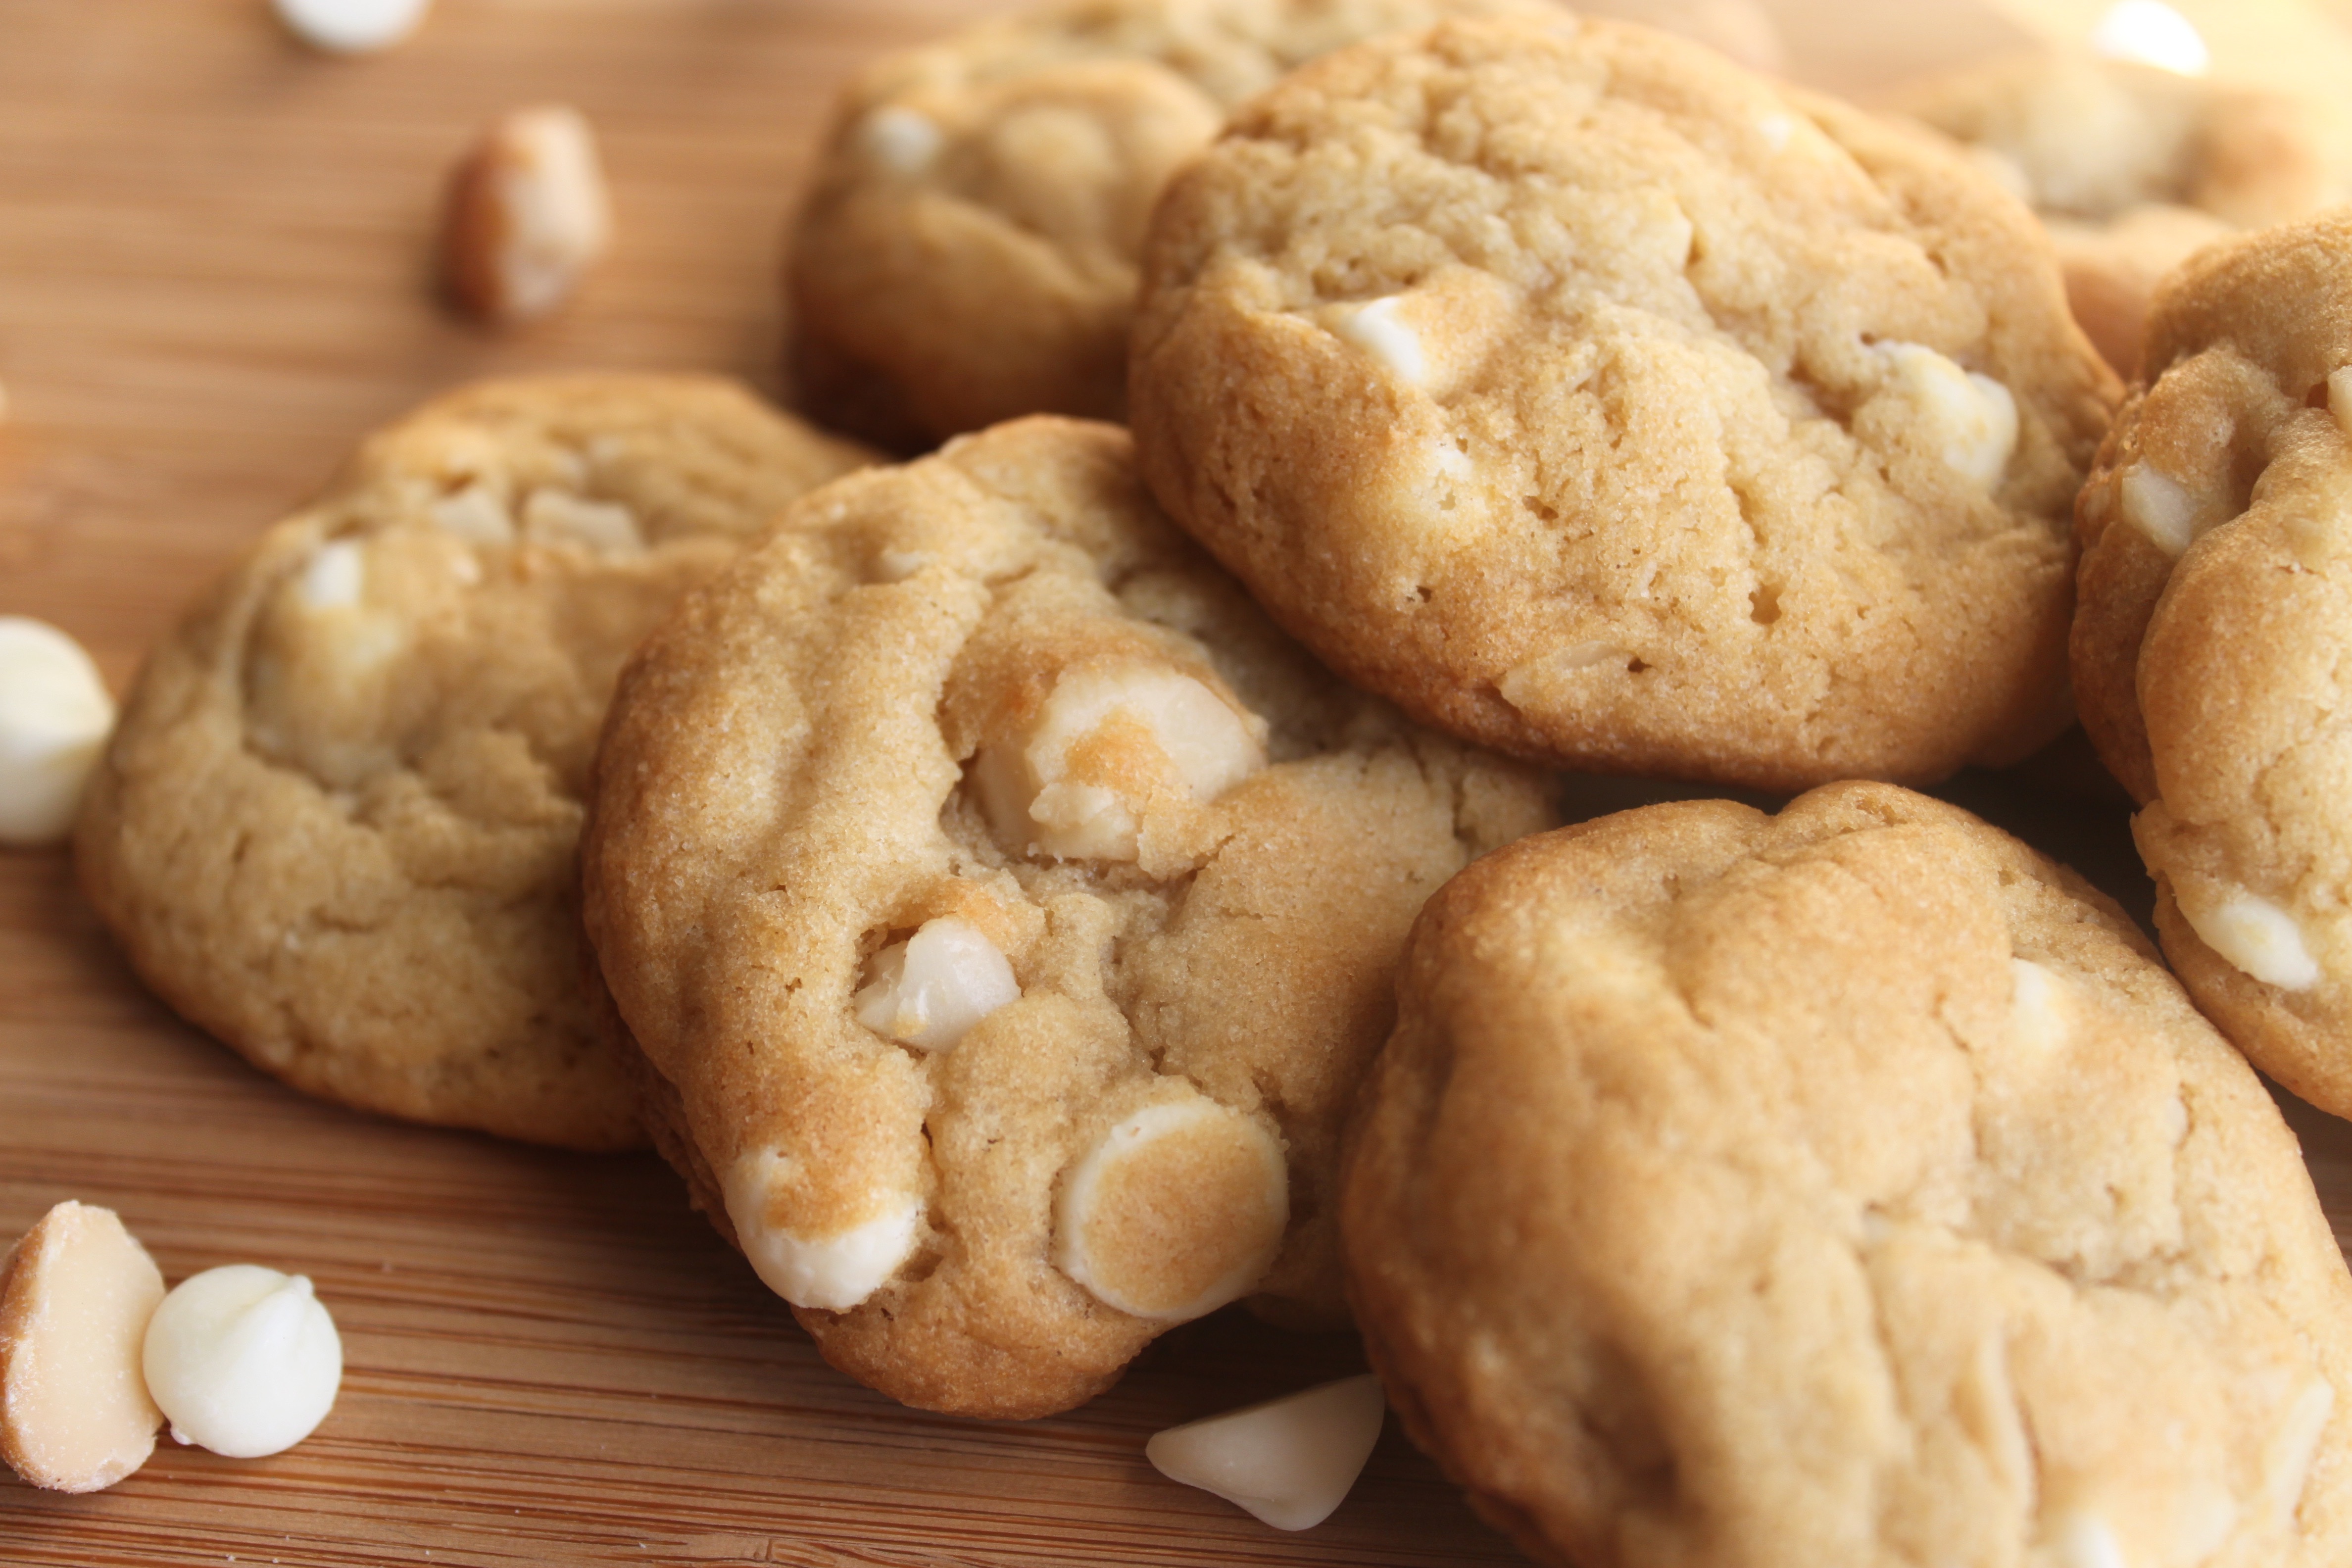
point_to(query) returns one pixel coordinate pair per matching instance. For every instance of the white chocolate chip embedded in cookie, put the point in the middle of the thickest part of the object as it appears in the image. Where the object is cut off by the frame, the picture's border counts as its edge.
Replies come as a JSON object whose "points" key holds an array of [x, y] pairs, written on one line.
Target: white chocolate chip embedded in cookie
{"points": [[930, 989], [1107, 747], [832, 1271], [75, 1298], [2253, 933], [1175, 1211], [1970, 420]]}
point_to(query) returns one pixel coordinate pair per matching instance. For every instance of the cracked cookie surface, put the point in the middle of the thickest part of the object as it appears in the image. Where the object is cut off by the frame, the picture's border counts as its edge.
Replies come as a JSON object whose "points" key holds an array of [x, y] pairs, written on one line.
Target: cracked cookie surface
{"points": [[336, 825], [2135, 169], [1008, 911], [2216, 600], [1595, 399], [1851, 1185], [967, 253]]}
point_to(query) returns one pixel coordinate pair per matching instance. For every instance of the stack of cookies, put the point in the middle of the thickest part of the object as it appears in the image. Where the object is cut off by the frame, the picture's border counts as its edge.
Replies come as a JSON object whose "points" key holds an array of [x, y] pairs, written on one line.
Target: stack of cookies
{"points": [[1028, 891]]}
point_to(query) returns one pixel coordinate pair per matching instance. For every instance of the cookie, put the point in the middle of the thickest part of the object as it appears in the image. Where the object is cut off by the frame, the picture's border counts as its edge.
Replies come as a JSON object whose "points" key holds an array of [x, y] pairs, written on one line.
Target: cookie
{"points": [[1599, 401], [1846, 1187], [2216, 599], [966, 252], [2135, 168], [1008, 911], [336, 826]]}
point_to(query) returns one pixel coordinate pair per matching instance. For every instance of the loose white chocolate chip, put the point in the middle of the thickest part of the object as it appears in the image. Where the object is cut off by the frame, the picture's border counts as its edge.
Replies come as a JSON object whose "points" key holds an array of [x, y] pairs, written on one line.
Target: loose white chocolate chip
{"points": [[476, 515], [1176, 1211], [528, 215], [336, 576], [352, 27], [2160, 507], [1078, 784], [1974, 417], [2257, 936], [2037, 1002], [559, 517], [899, 140], [243, 1360], [1374, 327], [930, 989], [832, 1272], [54, 716], [2080, 1539], [2286, 1458], [75, 1298], [1289, 1461]]}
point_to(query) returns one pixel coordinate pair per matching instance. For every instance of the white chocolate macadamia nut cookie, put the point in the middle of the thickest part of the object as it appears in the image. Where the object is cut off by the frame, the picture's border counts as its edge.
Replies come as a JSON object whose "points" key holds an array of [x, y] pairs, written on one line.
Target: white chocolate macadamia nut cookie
{"points": [[1848, 1187], [1006, 913], [2133, 169], [336, 826], [2216, 602], [968, 251], [1601, 402]]}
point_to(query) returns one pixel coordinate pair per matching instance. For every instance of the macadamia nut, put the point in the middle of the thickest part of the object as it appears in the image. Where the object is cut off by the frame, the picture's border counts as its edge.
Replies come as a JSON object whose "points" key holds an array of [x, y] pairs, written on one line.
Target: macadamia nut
{"points": [[1177, 1210], [1291, 1461], [528, 215], [75, 1298], [930, 990], [54, 716], [245, 1361], [1110, 746], [1973, 418]]}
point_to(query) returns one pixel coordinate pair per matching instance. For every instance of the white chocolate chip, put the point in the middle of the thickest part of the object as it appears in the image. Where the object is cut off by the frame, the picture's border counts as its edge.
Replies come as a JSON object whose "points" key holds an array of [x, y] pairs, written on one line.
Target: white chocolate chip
{"points": [[54, 716], [2080, 1539], [2286, 1457], [243, 1360], [335, 577], [528, 215], [2160, 507], [1174, 1212], [75, 1298], [352, 27], [930, 990], [1551, 679], [2037, 1003], [1289, 1461], [2152, 33], [476, 515], [2256, 935], [1776, 130], [892, 565], [1375, 329], [831, 1272], [898, 140], [1153, 727], [559, 517], [1973, 418], [2339, 398]]}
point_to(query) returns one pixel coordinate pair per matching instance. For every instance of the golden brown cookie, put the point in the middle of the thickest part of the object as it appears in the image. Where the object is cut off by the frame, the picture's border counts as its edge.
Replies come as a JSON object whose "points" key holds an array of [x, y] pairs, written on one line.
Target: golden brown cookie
{"points": [[1594, 399], [336, 825], [968, 251], [1848, 1187], [2216, 602], [1010, 910], [2136, 169]]}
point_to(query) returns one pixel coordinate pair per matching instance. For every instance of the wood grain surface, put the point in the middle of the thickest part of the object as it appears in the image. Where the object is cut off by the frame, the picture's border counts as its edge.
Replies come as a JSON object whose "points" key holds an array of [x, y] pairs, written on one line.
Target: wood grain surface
{"points": [[213, 278]]}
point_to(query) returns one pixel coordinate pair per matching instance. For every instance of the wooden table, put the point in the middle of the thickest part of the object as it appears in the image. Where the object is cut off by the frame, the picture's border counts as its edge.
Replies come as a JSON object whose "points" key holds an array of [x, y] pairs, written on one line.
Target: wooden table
{"points": [[213, 262]]}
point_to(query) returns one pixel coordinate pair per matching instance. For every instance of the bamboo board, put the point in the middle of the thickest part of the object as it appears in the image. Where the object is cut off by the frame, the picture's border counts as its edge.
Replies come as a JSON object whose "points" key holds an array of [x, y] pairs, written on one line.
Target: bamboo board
{"points": [[214, 260]]}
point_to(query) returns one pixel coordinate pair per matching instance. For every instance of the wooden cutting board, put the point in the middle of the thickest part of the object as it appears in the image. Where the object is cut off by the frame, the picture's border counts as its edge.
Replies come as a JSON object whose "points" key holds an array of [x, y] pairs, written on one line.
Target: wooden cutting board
{"points": [[213, 263]]}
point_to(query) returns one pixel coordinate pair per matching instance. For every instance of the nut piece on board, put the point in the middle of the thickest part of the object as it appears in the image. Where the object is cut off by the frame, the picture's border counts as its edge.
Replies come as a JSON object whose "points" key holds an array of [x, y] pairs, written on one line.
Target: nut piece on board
{"points": [[54, 716], [243, 1360], [352, 27], [527, 214], [75, 1297], [1291, 1461]]}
